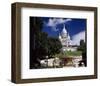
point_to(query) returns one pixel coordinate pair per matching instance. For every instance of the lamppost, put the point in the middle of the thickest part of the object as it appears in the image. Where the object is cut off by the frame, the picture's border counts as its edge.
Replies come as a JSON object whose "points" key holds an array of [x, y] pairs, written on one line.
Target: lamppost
{"points": [[47, 56], [64, 53], [47, 60]]}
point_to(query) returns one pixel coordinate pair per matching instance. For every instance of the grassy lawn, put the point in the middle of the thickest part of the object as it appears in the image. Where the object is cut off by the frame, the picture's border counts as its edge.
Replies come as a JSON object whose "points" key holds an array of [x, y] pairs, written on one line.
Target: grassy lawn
{"points": [[73, 53], [69, 54]]}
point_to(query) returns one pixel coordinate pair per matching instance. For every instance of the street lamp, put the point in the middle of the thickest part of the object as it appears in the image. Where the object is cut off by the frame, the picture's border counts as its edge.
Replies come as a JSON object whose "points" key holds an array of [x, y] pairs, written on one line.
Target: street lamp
{"points": [[47, 60]]}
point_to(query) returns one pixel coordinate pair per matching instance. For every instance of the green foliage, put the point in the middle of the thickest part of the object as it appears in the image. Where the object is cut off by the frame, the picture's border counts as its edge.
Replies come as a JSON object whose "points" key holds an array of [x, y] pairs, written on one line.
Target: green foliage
{"points": [[54, 46], [44, 45], [82, 46]]}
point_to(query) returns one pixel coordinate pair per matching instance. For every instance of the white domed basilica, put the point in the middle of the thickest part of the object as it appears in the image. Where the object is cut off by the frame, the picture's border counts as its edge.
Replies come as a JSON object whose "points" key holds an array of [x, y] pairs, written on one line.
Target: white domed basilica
{"points": [[66, 41]]}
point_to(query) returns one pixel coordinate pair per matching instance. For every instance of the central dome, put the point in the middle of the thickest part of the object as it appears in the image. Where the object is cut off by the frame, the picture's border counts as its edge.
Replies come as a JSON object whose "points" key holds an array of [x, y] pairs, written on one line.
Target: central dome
{"points": [[64, 31]]}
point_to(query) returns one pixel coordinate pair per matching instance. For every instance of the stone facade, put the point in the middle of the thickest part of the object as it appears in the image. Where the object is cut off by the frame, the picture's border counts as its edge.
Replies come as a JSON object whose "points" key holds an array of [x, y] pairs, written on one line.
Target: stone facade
{"points": [[66, 41]]}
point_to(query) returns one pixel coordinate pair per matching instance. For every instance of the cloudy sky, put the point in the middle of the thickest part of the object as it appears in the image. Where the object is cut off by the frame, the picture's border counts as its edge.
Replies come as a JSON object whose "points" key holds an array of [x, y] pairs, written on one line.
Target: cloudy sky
{"points": [[75, 27]]}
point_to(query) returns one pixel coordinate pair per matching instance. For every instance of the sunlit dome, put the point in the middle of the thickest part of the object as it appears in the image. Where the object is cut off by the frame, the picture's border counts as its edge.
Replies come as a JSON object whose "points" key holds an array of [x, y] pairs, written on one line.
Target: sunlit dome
{"points": [[59, 36], [68, 37], [64, 31]]}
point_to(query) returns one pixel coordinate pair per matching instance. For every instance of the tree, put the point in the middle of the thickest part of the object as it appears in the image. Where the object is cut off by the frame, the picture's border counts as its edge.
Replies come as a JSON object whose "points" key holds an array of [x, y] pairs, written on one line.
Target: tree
{"points": [[36, 24], [82, 46], [40, 44], [54, 46], [82, 42]]}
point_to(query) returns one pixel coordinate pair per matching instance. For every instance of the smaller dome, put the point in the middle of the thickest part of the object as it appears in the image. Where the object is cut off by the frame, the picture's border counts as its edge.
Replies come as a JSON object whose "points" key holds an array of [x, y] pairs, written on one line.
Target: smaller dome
{"points": [[59, 36], [68, 37]]}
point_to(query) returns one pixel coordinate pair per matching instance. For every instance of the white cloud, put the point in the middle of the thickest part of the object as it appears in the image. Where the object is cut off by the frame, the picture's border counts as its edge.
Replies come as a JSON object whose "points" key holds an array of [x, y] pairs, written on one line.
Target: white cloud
{"points": [[53, 22], [76, 38], [61, 21]]}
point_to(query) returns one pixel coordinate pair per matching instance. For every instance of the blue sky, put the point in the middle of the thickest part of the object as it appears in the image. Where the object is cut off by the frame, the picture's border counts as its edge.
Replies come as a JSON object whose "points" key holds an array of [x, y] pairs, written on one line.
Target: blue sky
{"points": [[75, 27], [53, 26]]}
